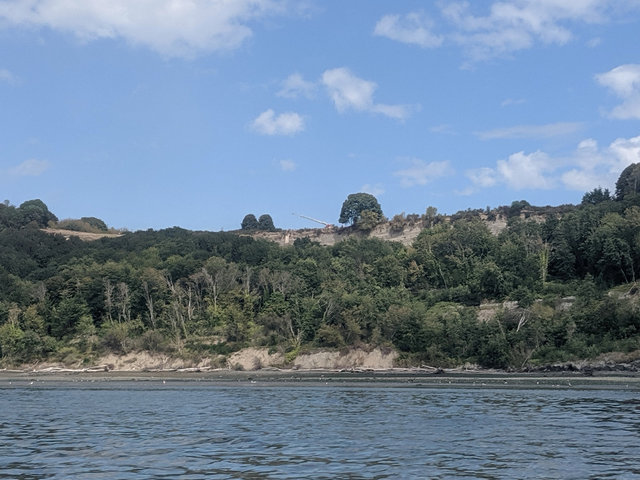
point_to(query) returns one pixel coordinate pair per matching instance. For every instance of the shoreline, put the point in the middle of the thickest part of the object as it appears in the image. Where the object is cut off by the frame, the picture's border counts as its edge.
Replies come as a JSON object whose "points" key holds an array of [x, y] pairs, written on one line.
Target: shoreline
{"points": [[397, 377]]}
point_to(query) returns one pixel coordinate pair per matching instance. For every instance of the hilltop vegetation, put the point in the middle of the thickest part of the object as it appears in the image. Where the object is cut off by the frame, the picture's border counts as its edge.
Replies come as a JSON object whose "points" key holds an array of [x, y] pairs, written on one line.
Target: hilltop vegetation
{"points": [[189, 293]]}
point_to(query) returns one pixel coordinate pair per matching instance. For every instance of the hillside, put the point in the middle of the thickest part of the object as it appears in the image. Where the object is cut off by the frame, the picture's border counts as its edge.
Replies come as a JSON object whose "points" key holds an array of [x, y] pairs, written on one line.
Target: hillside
{"points": [[514, 288]]}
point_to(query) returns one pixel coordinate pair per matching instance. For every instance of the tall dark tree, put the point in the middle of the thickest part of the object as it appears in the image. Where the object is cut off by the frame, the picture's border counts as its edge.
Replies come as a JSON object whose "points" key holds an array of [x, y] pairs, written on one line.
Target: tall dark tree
{"points": [[36, 211], [628, 182], [8, 215], [517, 206], [95, 223], [355, 204], [249, 222], [595, 196], [265, 222]]}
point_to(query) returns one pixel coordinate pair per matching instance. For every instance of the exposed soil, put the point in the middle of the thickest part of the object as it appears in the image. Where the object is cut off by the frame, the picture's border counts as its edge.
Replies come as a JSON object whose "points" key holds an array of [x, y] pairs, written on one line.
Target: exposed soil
{"points": [[87, 237], [257, 358], [375, 360]]}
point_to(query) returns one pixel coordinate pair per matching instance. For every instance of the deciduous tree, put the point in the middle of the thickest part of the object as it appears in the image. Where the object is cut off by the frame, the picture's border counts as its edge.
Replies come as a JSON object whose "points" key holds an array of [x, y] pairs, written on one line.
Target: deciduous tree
{"points": [[355, 204]]}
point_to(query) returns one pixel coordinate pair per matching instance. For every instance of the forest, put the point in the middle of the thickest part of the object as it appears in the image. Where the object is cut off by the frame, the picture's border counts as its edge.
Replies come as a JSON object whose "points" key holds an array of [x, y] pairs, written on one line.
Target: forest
{"points": [[540, 292]]}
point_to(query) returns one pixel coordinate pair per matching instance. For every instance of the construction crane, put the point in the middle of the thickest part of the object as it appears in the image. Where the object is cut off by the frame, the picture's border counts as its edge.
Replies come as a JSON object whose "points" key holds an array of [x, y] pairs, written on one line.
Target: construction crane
{"points": [[326, 225]]}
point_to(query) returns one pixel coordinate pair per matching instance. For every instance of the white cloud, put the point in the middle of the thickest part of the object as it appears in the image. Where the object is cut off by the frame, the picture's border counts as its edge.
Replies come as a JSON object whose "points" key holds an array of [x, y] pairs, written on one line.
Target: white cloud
{"points": [[421, 172], [268, 123], [624, 81], [483, 177], [412, 28], [594, 167], [296, 86], [29, 168], [581, 180], [170, 27], [288, 165], [7, 76], [518, 172], [519, 24], [349, 92], [375, 190], [532, 131], [625, 151], [588, 167], [522, 171], [504, 27], [587, 156]]}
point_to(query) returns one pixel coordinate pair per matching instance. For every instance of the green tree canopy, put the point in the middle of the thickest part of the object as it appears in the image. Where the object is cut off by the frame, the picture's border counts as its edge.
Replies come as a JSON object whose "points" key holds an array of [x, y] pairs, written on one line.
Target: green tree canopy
{"points": [[265, 222], [95, 223], [249, 222], [595, 196], [355, 204], [628, 182], [36, 211], [206, 294], [517, 206], [368, 220]]}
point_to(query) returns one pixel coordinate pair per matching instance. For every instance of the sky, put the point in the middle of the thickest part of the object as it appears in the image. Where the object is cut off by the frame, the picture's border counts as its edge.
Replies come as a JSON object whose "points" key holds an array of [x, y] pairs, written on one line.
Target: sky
{"points": [[194, 113]]}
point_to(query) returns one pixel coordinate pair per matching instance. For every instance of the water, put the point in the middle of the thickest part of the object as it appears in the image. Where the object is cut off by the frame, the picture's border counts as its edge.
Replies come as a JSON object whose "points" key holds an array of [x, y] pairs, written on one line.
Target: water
{"points": [[129, 430]]}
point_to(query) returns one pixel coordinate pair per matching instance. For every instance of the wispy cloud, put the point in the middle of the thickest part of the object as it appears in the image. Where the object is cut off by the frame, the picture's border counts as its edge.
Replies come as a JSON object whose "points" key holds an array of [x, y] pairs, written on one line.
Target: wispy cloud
{"points": [[268, 123], [172, 28], [287, 165], [420, 172], [595, 167], [588, 167], [624, 82], [412, 28], [29, 168], [346, 90], [7, 77], [350, 92], [532, 131], [508, 102], [296, 86], [444, 129], [375, 190], [594, 42], [486, 30], [483, 177]]}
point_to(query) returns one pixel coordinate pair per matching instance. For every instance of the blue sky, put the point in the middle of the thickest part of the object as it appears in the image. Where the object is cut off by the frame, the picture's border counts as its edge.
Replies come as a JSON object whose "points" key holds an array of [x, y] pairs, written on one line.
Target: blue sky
{"points": [[155, 113]]}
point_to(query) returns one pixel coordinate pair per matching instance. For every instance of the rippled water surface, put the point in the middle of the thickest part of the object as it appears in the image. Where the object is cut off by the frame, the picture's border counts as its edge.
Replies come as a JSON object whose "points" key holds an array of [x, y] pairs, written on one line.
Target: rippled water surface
{"points": [[128, 431]]}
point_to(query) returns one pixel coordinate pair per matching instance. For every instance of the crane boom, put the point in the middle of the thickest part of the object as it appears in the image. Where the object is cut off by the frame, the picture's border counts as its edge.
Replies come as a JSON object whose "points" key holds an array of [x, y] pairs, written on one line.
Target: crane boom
{"points": [[314, 220]]}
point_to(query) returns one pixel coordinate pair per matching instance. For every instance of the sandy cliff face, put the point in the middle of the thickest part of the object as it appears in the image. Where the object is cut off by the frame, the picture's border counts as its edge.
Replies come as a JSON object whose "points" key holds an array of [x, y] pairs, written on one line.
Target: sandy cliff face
{"points": [[256, 358], [374, 360], [247, 359], [332, 235]]}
